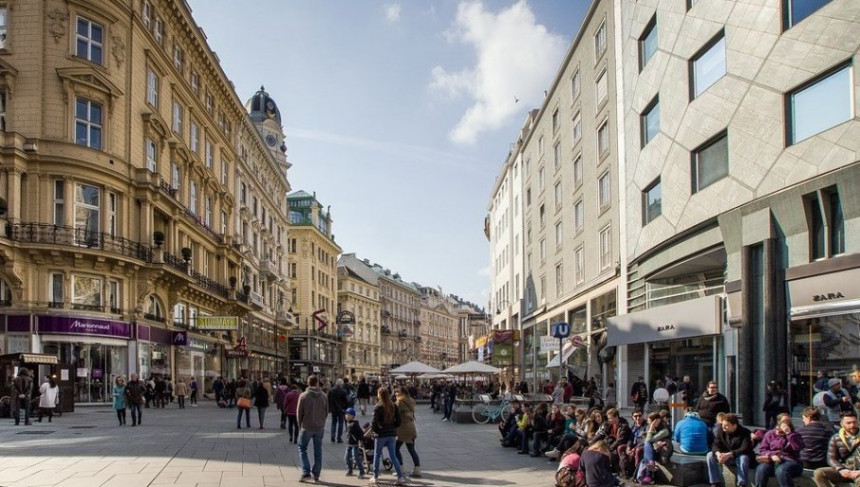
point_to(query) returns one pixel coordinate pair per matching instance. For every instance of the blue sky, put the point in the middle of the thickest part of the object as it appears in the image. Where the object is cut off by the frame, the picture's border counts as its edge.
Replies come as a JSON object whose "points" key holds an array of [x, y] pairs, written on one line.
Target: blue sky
{"points": [[399, 114]]}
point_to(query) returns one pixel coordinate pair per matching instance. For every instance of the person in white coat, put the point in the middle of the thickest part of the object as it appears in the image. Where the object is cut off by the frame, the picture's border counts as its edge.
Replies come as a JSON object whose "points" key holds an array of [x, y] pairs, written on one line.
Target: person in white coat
{"points": [[48, 398]]}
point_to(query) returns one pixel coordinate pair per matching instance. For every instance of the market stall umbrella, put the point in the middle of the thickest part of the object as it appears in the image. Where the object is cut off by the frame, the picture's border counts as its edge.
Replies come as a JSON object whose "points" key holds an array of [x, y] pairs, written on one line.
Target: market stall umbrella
{"points": [[434, 376], [415, 368], [472, 367]]}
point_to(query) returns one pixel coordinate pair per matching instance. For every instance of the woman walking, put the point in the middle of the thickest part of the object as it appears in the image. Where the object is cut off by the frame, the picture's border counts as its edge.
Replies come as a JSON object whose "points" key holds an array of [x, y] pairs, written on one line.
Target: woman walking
{"points": [[386, 420], [243, 403], [181, 391], [48, 399], [261, 401], [406, 432], [119, 399]]}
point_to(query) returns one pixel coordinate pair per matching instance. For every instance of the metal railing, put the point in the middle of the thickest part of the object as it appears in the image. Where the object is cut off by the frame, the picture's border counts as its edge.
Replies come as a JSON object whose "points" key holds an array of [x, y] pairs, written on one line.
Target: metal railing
{"points": [[209, 285], [45, 233]]}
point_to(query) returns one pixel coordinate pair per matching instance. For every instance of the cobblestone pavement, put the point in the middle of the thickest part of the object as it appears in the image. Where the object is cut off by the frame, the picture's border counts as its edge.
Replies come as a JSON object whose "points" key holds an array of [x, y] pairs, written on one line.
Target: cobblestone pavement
{"points": [[202, 447]]}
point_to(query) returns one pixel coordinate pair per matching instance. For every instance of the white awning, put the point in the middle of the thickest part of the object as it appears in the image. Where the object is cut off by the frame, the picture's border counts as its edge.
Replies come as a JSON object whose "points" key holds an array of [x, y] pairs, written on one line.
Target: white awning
{"points": [[566, 352], [687, 319]]}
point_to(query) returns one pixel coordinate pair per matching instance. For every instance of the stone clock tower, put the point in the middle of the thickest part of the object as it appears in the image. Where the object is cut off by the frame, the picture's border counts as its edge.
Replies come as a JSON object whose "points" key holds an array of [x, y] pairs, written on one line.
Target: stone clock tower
{"points": [[267, 118]]}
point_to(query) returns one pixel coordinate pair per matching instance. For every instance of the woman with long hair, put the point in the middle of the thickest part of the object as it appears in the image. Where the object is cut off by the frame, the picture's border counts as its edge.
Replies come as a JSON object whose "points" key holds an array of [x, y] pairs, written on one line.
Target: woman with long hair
{"points": [[386, 420], [597, 465], [119, 399], [406, 432], [48, 399]]}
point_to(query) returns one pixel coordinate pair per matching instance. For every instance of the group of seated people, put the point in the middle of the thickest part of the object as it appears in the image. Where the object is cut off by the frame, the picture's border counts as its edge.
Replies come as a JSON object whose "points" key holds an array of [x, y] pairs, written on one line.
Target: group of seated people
{"points": [[631, 449]]}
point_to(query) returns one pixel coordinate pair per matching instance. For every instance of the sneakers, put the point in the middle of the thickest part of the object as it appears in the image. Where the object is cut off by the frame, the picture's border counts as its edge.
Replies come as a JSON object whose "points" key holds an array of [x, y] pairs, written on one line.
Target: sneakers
{"points": [[553, 454], [361, 476], [416, 472], [306, 477], [373, 481], [400, 480], [349, 473]]}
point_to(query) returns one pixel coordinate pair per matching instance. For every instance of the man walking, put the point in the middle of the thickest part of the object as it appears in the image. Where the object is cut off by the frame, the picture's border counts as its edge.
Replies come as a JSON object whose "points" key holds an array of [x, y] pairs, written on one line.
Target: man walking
{"points": [[639, 393], [134, 391], [22, 391], [450, 397], [311, 411], [338, 401]]}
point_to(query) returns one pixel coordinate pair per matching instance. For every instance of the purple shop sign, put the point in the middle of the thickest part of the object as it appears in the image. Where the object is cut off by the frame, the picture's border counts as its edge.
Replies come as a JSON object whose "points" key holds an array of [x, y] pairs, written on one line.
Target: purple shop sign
{"points": [[83, 326], [180, 338], [97, 373]]}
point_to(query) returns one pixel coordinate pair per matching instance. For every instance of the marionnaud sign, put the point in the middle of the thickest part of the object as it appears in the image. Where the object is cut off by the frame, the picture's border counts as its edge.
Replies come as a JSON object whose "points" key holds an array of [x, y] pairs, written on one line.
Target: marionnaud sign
{"points": [[83, 326]]}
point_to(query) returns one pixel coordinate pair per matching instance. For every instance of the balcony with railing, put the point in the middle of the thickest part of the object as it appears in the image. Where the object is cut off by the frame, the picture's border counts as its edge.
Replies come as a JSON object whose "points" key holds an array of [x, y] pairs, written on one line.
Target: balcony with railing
{"points": [[385, 330], [44, 233], [402, 334], [269, 269], [209, 285]]}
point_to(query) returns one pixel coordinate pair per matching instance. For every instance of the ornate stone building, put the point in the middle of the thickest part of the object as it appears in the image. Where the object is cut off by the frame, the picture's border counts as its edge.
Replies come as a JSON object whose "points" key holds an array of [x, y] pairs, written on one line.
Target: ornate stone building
{"points": [[119, 141], [360, 298]]}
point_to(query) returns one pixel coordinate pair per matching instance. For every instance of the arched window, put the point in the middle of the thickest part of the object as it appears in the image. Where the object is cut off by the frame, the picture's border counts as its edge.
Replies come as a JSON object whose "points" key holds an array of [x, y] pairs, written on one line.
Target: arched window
{"points": [[154, 309]]}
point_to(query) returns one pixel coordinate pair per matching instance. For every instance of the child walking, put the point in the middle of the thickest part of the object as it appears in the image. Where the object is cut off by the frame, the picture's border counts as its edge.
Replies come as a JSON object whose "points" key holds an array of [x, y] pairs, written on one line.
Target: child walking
{"points": [[354, 434]]}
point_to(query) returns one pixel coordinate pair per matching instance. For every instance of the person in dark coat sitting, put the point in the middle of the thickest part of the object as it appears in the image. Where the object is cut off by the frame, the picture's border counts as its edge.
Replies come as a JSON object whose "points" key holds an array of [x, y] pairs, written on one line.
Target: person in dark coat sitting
{"points": [[732, 446], [816, 436]]}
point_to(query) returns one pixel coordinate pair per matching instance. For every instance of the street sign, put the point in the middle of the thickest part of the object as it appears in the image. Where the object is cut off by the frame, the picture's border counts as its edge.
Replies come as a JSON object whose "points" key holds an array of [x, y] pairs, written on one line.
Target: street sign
{"points": [[560, 330], [548, 344]]}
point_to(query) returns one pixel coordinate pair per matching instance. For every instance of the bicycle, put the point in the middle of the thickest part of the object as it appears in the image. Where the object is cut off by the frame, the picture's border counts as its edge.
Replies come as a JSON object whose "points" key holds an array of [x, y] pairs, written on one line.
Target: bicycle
{"points": [[483, 413]]}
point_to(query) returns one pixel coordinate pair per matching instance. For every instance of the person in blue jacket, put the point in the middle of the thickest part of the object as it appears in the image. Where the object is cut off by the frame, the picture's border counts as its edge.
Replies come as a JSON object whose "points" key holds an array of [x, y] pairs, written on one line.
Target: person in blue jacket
{"points": [[691, 434]]}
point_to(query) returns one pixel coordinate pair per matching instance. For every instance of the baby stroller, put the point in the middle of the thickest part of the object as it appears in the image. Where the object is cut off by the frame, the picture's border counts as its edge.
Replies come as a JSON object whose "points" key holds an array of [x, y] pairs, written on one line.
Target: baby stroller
{"points": [[367, 447]]}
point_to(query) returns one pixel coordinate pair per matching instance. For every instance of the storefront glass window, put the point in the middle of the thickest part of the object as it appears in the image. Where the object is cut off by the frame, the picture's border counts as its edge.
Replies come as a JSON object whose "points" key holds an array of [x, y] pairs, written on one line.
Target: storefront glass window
{"points": [[94, 367], [830, 344], [677, 358]]}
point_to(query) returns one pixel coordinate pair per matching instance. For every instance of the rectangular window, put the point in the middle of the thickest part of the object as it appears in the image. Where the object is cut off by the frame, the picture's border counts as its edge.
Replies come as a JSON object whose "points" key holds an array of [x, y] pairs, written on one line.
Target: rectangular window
{"points": [[195, 137], [223, 222], [151, 155], [651, 202], [207, 215], [603, 138], [146, 14], [111, 214], [559, 235], [708, 65], [600, 41], [178, 58], [192, 197], [601, 91], [579, 216], [603, 190], [2, 110], [114, 296], [542, 216], [577, 128], [558, 194], [710, 162], [540, 179], [648, 43], [577, 170], [542, 289], [579, 265], [649, 121], [195, 82], [575, 85], [540, 146], [605, 248], [826, 224], [59, 202], [57, 295], [819, 105], [556, 154], [225, 170], [542, 250], [152, 88], [87, 215], [794, 11], [86, 291], [210, 102], [158, 30], [89, 40], [174, 176], [555, 121], [209, 153], [177, 117], [88, 123], [559, 279]]}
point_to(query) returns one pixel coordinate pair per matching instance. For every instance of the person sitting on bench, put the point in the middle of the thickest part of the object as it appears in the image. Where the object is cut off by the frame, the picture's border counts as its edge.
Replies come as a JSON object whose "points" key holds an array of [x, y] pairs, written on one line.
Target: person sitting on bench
{"points": [[732, 446]]}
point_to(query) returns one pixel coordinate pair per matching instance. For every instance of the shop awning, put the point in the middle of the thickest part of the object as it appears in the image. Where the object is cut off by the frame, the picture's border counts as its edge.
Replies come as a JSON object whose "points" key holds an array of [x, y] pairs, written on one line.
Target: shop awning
{"points": [[566, 352], [31, 358], [687, 319], [833, 293]]}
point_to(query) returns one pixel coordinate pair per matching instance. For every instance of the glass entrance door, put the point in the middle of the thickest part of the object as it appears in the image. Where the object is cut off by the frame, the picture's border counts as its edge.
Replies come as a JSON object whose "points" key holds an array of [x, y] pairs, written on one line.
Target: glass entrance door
{"points": [[93, 367]]}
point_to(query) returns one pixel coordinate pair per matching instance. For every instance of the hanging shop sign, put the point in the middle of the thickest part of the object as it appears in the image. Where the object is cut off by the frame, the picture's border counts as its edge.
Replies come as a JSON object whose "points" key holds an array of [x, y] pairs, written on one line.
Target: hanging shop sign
{"points": [[221, 323], [83, 326]]}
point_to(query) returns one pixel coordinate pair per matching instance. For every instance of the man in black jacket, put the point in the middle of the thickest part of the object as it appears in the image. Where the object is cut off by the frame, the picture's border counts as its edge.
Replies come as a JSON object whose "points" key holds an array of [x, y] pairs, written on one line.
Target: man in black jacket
{"points": [[712, 403], [619, 434], [816, 435], [338, 401], [732, 446], [639, 393], [22, 391]]}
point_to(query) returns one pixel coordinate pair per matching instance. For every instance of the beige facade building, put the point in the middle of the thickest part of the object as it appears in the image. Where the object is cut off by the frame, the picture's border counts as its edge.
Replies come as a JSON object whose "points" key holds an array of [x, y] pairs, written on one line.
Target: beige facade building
{"points": [[314, 345], [121, 137], [438, 332], [360, 298]]}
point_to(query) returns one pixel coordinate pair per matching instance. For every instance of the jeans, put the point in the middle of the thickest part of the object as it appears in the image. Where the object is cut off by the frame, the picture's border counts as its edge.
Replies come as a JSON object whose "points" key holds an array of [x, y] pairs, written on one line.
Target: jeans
{"points": [[648, 456], [193, 396], [388, 443], [293, 426], [410, 447], [181, 401], [261, 415], [449, 408], [337, 422], [247, 417], [784, 471], [715, 473], [353, 459], [25, 405], [136, 415], [304, 439]]}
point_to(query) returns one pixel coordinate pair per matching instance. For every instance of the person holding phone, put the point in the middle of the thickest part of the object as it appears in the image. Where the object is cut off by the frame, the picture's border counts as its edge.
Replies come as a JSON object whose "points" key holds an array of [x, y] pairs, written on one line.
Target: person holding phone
{"points": [[779, 455]]}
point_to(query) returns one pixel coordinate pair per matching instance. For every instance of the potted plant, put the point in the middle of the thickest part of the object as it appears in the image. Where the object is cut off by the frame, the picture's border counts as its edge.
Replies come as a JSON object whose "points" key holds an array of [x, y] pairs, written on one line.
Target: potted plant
{"points": [[246, 289], [158, 238], [232, 282], [186, 254]]}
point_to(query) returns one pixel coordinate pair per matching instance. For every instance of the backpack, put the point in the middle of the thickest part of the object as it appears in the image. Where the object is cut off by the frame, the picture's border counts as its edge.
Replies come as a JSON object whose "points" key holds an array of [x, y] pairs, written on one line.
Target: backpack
{"points": [[568, 477]]}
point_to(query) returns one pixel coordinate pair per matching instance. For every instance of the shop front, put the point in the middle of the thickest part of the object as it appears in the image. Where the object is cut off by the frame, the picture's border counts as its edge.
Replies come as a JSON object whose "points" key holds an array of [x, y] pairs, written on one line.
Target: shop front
{"points": [[824, 329], [680, 339], [94, 351], [153, 351]]}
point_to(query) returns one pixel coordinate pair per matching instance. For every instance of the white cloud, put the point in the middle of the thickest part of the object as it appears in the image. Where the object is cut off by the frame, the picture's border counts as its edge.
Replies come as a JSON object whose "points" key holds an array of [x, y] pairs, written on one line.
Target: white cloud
{"points": [[392, 12], [517, 58]]}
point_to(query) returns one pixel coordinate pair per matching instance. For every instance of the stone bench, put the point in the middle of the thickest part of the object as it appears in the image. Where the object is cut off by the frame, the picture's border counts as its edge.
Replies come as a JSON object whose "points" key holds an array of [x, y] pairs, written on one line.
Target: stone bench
{"points": [[804, 480]]}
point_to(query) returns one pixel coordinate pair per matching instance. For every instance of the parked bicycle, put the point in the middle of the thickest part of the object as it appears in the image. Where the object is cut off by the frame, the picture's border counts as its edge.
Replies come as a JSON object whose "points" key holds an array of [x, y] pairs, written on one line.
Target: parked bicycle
{"points": [[484, 412]]}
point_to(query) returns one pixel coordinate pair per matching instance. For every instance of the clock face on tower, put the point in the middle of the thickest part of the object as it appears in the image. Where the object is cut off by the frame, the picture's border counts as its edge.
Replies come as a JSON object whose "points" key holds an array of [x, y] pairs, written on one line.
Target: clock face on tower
{"points": [[271, 140]]}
